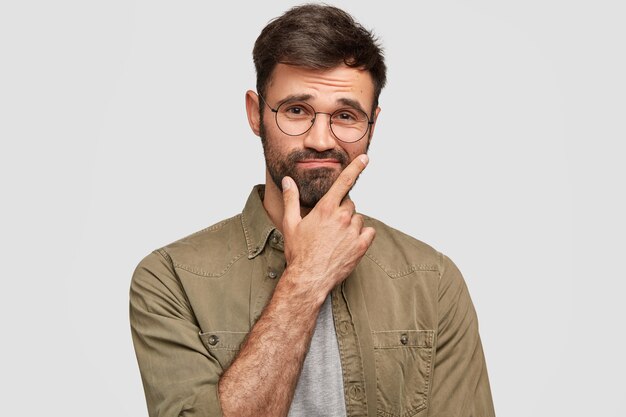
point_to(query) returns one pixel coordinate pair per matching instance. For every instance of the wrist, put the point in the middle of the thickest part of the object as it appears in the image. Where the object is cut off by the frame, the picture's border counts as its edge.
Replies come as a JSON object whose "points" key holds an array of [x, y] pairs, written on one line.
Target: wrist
{"points": [[302, 287]]}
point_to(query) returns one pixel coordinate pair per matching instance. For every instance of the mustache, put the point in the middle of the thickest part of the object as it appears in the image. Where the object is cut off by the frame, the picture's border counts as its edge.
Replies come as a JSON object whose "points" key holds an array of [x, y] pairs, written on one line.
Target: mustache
{"points": [[299, 155]]}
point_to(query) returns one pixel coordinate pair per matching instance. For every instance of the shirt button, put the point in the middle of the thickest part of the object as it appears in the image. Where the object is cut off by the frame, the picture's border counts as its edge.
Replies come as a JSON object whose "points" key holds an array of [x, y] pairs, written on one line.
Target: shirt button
{"points": [[272, 274], [356, 392], [213, 339], [404, 339], [274, 239], [344, 328]]}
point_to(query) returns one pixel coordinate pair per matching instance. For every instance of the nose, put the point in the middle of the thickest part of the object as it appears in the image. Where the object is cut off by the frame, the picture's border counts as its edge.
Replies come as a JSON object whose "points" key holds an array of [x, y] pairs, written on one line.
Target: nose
{"points": [[319, 137]]}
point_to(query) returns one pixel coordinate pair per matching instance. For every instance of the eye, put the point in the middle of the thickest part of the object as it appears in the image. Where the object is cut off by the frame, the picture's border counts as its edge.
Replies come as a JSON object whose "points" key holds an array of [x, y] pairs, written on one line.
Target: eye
{"points": [[344, 115], [347, 116], [296, 111]]}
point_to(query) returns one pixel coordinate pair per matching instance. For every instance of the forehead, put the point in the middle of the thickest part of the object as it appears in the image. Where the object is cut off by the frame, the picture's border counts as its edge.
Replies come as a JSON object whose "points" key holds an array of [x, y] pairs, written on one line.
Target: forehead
{"points": [[325, 86]]}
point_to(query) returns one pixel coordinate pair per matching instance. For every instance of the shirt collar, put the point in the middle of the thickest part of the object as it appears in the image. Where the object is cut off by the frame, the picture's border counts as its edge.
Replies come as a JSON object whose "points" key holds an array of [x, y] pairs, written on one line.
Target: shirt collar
{"points": [[257, 225]]}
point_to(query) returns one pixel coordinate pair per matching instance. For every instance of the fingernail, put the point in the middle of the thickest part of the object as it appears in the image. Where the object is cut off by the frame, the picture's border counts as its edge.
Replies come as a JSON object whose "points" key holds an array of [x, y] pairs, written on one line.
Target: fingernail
{"points": [[286, 183], [364, 158]]}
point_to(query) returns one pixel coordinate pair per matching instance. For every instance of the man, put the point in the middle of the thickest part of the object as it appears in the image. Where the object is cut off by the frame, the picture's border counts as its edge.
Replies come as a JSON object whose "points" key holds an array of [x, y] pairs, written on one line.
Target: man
{"points": [[300, 306]]}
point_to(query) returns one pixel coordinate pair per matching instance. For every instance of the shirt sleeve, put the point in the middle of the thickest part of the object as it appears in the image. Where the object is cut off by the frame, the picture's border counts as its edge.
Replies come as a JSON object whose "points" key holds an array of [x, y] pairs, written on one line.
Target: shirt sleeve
{"points": [[179, 375], [460, 386]]}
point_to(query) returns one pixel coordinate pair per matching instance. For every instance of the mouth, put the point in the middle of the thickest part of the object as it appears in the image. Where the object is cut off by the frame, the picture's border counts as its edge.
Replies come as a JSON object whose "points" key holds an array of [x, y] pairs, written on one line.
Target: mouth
{"points": [[319, 163]]}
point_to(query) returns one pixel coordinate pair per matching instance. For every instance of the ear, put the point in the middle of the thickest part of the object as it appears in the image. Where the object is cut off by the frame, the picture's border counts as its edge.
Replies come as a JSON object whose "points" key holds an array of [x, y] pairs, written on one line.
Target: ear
{"points": [[373, 125], [252, 109]]}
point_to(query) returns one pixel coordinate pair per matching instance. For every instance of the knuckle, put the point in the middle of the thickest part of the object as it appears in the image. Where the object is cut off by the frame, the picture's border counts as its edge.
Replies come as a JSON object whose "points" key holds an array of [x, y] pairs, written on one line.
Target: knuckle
{"points": [[345, 216]]}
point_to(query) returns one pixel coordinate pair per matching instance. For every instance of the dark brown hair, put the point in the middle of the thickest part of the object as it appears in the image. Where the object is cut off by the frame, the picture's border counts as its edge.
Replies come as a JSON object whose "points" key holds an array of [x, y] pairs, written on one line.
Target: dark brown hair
{"points": [[320, 37]]}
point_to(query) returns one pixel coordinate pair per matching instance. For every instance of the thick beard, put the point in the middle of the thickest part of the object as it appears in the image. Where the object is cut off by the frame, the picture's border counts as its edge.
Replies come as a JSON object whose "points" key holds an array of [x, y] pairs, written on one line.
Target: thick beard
{"points": [[312, 184]]}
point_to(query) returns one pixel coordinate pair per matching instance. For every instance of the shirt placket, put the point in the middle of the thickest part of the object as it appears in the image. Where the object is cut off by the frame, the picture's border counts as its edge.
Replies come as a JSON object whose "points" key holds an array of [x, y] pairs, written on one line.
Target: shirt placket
{"points": [[349, 354], [272, 268]]}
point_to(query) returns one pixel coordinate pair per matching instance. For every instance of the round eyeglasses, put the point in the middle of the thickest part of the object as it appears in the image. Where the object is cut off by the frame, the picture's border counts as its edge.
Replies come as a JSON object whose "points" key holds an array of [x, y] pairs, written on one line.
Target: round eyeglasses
{"points": [[295, 118]]}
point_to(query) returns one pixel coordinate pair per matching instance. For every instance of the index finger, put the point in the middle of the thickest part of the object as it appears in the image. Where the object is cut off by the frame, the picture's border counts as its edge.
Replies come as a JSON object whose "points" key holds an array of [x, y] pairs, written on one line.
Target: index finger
{"points": [[346, 179]]}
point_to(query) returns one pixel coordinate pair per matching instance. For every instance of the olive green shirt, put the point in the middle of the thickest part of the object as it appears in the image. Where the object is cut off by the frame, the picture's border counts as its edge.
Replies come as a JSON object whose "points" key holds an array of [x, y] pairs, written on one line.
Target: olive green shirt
{"points": [[406, 327]]}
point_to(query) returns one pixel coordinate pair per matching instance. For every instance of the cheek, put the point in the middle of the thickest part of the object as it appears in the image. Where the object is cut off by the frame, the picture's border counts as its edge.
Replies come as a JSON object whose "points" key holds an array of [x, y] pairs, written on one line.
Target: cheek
{"points": [[355, 149], [276, 140], [279, 147]]}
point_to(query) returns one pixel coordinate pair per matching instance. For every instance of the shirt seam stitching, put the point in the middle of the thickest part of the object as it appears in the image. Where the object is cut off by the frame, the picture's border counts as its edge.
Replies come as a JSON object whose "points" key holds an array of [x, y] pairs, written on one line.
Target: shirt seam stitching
{"points": [[203, 273], [412, 268]]}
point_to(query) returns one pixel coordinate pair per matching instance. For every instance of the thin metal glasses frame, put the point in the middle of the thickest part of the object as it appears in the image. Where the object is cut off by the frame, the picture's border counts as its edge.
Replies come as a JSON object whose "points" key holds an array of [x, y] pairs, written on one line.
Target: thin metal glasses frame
{"points": [[315, 113]]}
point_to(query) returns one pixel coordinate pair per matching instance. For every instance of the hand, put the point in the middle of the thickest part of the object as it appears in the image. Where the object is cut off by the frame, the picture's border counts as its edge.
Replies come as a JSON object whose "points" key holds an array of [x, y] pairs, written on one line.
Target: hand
{"points": [[324, 248]]}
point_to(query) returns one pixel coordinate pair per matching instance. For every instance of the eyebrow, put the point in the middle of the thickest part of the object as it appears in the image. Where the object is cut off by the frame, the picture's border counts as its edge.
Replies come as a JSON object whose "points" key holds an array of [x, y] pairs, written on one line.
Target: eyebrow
{"points": [[351, 103], [305, 97], [295, 97]]}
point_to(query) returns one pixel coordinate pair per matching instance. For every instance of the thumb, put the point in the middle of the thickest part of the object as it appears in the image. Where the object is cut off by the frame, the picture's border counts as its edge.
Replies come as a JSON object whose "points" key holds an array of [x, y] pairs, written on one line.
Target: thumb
{"points": [[291, 204]]}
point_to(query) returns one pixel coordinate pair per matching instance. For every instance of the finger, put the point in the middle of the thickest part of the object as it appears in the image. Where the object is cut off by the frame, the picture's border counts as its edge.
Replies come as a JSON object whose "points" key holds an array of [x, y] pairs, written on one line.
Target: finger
{"points": [[346, 179], [367, 236], [291, 204], [357, 222]]}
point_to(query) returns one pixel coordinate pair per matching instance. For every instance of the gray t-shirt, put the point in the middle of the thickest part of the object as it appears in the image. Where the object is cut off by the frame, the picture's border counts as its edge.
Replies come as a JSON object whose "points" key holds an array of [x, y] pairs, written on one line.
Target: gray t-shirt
{"points": [[320, 388]]}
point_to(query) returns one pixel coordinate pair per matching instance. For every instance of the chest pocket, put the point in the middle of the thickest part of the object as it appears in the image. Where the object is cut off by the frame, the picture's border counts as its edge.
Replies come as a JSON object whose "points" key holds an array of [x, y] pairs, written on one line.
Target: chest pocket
{"points": [[223, 345], [403, 371]]}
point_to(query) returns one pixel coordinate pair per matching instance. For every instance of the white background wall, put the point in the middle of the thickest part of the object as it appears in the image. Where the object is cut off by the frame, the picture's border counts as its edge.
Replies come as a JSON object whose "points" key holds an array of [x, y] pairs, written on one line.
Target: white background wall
{"points": [[500, 143]]}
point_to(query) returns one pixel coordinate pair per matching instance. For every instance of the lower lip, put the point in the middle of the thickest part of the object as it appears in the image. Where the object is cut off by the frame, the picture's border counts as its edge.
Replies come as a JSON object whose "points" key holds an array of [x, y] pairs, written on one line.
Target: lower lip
{"points": [[319, 164]]}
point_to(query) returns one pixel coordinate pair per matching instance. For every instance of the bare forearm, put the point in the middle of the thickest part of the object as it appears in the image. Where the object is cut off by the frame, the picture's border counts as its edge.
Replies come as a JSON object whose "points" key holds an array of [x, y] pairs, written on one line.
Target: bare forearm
{"points": [[262, 379]]}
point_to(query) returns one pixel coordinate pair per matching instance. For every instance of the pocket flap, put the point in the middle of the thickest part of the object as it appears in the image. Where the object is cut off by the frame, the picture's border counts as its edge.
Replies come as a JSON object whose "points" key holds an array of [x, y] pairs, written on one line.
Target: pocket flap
{"points": [[391, 339], [222, 339]]}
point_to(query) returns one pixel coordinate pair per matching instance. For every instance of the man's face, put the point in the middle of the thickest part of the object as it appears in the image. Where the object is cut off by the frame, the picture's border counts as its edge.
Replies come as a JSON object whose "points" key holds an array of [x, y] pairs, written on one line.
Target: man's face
{"points": [[315, 159]]}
